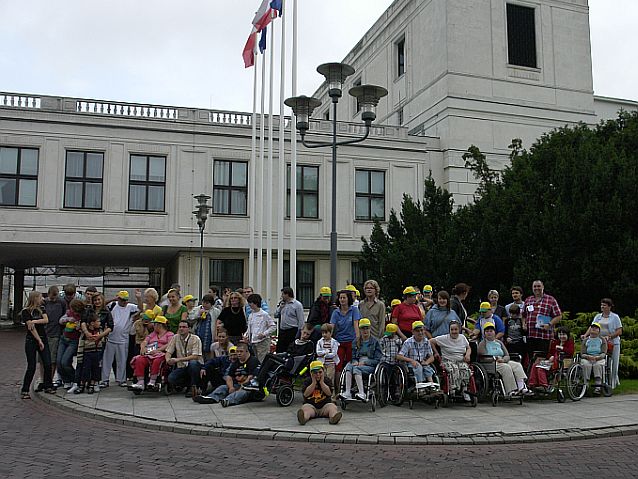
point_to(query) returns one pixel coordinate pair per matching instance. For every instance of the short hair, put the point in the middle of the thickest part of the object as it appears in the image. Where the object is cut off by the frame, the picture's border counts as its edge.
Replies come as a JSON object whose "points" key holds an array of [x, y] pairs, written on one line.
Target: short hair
{"points": [[308, 326], [561, 329], [184, 321], [515, 309], [69, 288], [214, 288], [492, 292], [208, 298], [91, 289], [91, 316], [53, 290], [242, 345], [175, 286], [76, 305], [287, 290], [249, 287], [608, 302], [516, 288], [460, 288], [254, 299], [325, 327], [152, 292]]}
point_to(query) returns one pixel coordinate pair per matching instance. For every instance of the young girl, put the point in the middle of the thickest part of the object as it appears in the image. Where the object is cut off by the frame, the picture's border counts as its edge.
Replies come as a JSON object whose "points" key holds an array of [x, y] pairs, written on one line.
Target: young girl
{"points": [[91, 345], [327, 348], [561, 343], [34, 317], [366, 353]]}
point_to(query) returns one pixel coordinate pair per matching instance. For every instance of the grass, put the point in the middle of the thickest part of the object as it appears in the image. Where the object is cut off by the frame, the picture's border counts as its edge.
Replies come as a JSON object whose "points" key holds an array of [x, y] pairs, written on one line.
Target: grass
{"points": [[627, 386]]}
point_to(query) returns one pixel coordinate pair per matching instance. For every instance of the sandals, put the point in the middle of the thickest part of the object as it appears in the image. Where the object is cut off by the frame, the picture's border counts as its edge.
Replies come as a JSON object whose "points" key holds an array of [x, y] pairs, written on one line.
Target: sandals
{"points": [[26, 396]]}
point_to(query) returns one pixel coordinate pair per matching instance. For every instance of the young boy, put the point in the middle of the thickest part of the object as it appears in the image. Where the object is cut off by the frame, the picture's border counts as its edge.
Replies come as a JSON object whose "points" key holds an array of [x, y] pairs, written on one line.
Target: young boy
{"points": [[92, 346], [260, 327], [327, 351], [593, 351], [515, 330], [390, 344]]}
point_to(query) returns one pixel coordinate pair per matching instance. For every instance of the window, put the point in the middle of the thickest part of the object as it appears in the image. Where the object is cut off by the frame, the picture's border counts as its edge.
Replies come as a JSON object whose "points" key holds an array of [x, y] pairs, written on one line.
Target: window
{"points": [[227, 273], [358, 275], [326, 114], [357, 105], [307, 191], [18, 176], [400, 52], [305, 290], [83, 180], [400, 116], [521, 36], [369, 195], [230, 187], [147, 183]]}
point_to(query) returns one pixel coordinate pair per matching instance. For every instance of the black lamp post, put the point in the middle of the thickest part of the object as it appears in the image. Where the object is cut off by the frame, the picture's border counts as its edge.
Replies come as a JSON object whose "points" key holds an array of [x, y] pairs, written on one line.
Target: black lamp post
{"points": [[201, 213], [368, 97]]}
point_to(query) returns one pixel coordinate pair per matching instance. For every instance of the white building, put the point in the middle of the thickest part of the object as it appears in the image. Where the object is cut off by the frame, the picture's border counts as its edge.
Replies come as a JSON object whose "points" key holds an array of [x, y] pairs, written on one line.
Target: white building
{"points": [[88, 182]]}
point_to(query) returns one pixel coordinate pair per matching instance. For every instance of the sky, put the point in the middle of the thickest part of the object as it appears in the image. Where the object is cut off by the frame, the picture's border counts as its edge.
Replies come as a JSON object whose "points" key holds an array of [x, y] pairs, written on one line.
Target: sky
{"points": [[188, 52]]}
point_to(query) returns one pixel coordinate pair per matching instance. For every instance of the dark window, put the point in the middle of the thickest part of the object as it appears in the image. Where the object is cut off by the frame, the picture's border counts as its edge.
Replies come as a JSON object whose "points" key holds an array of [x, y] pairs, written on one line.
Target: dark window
{"points": [[230, 187], [307, 191], [83, 180], [400, 116], [521, 36], [305, 290], [18, 176], [227, 273], [357, 105], [358, 275], [147, 183], [400, 57], [369, 195], [326, 114]]}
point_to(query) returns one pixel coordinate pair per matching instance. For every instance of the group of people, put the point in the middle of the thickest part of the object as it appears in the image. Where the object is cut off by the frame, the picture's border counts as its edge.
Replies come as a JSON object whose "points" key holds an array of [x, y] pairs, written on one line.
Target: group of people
{"points": [[220, 350]]}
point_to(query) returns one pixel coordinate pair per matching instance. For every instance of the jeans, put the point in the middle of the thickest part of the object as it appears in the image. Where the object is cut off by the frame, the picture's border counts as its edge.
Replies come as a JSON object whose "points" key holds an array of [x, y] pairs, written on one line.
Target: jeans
{"points": [[186, 376], [239, 396], [66, 350], [421, 372], [31, 350], [358, 370]]}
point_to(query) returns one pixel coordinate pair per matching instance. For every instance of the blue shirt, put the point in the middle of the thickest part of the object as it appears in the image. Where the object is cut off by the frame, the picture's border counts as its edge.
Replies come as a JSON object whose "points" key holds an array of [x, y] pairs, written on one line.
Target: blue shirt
{"points": [[594, 346], [494, 348], [437, 320], [344, 324]]}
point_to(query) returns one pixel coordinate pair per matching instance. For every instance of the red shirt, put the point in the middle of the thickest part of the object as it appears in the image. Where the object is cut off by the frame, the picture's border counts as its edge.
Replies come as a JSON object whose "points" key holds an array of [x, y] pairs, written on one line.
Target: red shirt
{"points": [[405, 315], [568, 349], [546, 306]]}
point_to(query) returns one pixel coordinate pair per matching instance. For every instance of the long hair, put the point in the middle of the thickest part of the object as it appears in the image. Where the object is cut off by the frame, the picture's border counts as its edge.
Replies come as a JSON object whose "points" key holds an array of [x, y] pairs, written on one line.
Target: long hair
{"points": [[34, 300], [235, 294]]}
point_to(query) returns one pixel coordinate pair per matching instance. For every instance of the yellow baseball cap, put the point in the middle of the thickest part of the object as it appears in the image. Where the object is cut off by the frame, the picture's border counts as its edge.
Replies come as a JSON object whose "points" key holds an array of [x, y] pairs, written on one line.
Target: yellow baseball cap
{"points": [[395, 302], [148, 314], [390, 329], [188, 297], [357, 293], [485, 306], [364, 323], [409, 290], [160, 319], [123, 295], [489, 324], [316, 366], [595, 325], [427, 288], [325, 291], [351, 287], [232, 349], [417, 324]]}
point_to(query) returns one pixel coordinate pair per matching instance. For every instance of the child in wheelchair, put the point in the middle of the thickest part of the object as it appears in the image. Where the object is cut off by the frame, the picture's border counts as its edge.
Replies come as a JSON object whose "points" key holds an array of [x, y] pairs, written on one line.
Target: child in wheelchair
{"points": [[561, 350], [366, 353], [593, 356]]}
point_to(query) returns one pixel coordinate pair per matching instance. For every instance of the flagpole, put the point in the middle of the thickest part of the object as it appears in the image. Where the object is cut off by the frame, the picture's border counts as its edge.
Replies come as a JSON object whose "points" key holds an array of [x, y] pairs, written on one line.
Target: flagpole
{"points": [[269, 173], [260, 217], [251, 182], [293, 160], [282, 157]]}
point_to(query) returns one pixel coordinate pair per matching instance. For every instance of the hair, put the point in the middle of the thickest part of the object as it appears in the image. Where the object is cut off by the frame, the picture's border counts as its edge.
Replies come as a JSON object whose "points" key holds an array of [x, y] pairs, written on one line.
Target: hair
{"points": [[184, 321], [235, 294], [446, 295], [76, 305], [152, 292], [69, 288], [241, 346], [214, 288], [460, 288], [249, 287], [53, 290], [91, 316], [561, 329], [327, 327], [515, 309], [254, 299], [454, 322], [33, 300], [308, 326], [163, 325], [517, 288], [287, 290], [208, 298], [349, 296], [91, 289], [175, 286], [374, 284], [608, 302], [492, 292], [221, 329], [99, 295], [173, 290]]}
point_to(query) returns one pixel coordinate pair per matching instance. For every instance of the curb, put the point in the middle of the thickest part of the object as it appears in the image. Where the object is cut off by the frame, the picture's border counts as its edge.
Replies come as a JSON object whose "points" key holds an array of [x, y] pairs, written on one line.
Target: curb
{"points": [[452, 439]]}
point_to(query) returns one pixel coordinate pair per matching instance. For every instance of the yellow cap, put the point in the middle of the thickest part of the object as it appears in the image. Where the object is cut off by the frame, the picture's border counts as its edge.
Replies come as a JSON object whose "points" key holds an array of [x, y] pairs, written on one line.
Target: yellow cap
{"points": [[391, 328], [188, 297], [489, 324], [351, 287], [395, 302], [325, 291], [160, 319], [417, 324], [316, 366], [427, 288], [357, 293], [123, 294], [149, 314], [485, 306], [596, 325], [409, 290], [232, 349], [364, 323]]}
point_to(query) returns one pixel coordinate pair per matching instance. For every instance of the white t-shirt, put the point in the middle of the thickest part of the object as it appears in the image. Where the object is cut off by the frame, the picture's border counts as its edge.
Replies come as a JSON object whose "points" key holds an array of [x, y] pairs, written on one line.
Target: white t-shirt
{"points": [[121, 322], [452, 349]]}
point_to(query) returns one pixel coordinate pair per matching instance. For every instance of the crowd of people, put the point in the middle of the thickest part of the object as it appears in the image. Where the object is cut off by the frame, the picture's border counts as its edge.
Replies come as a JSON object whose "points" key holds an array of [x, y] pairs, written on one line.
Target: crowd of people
{"points": [[224, 348]]}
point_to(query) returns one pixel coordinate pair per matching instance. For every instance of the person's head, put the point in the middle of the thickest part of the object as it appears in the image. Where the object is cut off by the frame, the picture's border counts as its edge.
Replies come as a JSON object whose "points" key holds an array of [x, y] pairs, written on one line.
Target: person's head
{"points": [[390, 330], [287, 294], [492, 297], [461, 290], [345, 299], [489, 331], [306, 332], [122, 297], [222, 336], [214, 290], [148, 316], [189, 301], [173, 296], [254, 301], [409, 295], [34, 300], [93, 321], [151, 296], [53, 293], [395, 303], [247, 291], [428, 291], [562, 334], [89, 293], [538, 288], [594, 330], [242, 352], [98, 301], [443, 300], [326, 331], [232, 353], [371, 289], [455, 329], [325, 293], [182, 329], [515, 310], [485, 309], [160, 324], [517, 293], [69, 291], [235, 300], [606, 305], [316, 370], [207, 301], [364, 328], [352, 291], [418, 330], [77, 306], [176, 287]]}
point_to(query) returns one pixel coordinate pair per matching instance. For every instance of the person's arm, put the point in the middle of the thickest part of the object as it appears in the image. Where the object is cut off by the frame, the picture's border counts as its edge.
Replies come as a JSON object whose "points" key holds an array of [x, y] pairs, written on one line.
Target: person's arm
{"points": [[139, 300], [300, 316], [143, 346], [468, 354], [506, 354], [230, 384], [603, 350], [557, 314], [320, 351], [264, 306], [482, 349], [325, 388], [308, 392]]}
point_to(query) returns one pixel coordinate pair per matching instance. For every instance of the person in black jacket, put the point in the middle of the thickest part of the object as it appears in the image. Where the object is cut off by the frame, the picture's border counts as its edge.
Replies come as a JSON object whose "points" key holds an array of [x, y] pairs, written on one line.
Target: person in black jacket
{"points": [[320, 312]]}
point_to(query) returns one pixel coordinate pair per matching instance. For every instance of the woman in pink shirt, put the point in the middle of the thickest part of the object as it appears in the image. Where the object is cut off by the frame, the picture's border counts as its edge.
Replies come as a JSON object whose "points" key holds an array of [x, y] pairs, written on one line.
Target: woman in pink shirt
{"points": [[151, 354]]}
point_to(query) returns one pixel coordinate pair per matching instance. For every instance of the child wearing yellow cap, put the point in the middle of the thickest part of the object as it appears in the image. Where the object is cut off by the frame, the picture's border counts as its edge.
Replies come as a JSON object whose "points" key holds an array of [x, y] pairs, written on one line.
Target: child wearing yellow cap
{"points": [[390, 344]]}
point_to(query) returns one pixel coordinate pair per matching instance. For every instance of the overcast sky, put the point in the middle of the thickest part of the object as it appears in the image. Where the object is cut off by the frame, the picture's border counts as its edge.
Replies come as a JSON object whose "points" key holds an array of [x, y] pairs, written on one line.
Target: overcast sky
{"points": [[188, 52]]}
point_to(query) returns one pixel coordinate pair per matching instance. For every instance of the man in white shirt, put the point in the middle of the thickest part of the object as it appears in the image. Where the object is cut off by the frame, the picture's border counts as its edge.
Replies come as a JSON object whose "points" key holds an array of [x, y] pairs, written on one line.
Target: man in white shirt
{"points": [[187, 349]]}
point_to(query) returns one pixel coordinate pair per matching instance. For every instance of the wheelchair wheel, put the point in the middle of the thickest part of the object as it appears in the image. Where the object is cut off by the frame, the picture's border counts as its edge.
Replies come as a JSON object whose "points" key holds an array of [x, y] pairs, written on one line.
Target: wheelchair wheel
{"points": [[397, 386], [576, 387], [285, 395], [382, 385], [560, 396], [481, 381], [373, 401], [494, 398]]}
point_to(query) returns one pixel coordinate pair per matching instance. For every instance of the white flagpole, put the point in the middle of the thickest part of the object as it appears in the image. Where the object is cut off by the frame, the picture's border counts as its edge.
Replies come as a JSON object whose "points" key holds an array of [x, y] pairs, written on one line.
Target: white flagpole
{"points": [[282, 157], [260, 217], [269, 172], [251, 181], [293, 161]]}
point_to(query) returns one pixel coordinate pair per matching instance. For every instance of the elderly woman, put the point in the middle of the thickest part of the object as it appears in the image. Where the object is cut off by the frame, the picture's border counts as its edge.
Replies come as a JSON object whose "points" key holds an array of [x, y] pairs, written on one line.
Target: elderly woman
{"points": [[439, 316], [498, 309], [455, 356], [511, 372], [366, 353], [611, 330], [407, 313], [152, 354], [373, 308]]}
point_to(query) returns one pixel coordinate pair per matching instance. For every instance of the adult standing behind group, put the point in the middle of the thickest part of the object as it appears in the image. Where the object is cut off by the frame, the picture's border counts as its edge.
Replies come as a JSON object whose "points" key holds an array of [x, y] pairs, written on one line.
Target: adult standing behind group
{"points": [[373, 308], [407, 313], [499, 310], [346, 328], [541, 313], [55, 308], [459, 295], [439, 316], [174, 311], [611, 330], [35, 318], [247, 291], [291, 319], [233, 317]]}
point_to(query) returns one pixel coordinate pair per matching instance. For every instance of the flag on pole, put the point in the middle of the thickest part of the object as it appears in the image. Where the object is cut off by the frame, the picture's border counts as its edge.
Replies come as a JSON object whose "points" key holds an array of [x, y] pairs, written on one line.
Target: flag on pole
{"points": [[268, 10]]}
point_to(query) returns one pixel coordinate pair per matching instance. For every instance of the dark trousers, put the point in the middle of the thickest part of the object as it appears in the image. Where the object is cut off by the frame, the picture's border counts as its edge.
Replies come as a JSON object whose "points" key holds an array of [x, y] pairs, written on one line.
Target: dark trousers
{"points": [[286, 336], [91, 370], [32, 350], [187, 376], [537, 344]]}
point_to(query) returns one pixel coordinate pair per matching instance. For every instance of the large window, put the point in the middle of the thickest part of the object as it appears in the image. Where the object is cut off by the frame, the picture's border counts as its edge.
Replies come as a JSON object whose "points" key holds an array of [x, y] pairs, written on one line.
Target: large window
{"points": [[521, 36], [230, 187], [147, 183], [400, 57], [83, 180], [305, 288], [369, 195], [18, 176], [227, 273], [307, 191]]}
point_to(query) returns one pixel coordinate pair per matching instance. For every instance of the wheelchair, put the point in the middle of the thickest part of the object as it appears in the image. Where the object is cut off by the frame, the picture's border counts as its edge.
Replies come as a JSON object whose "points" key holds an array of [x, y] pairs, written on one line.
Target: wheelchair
{"points": [[161, 384], [281, 381], [410, 392], [494, 386], [371, 384], [390, 382], [577, 387], [558, 378], [449, 395]]}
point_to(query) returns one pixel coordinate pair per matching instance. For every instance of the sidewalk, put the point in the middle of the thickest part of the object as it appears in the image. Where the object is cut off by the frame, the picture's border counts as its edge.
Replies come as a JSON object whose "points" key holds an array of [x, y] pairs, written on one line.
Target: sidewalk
{"points": [[534, 421]]}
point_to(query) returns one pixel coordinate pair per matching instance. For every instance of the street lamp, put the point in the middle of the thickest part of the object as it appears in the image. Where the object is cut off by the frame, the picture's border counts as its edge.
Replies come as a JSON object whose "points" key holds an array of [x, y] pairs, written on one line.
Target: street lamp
{"points": [[368, 97], [201, 213]]}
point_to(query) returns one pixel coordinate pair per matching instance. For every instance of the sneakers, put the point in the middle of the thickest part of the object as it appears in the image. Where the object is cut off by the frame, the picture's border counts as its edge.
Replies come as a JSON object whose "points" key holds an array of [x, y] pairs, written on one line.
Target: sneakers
{"points": [[138, 385], [123, 384], [301, 417], [73, 388], [90, 390], [361, 397], [104, 384], [96, 388], [224, 403], [79, 390], [336, 418], [345, 395], [204, 399], [67, 385]]}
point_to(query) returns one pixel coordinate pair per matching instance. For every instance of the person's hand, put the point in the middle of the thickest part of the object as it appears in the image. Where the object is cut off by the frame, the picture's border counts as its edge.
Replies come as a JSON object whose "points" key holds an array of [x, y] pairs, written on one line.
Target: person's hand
{"points": [[508, 340], [30, 325], [499, 360], [172, 361], [415, 363], [40, 345], [231, 390], [202, 373], [466, 358], [138, 294]]}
